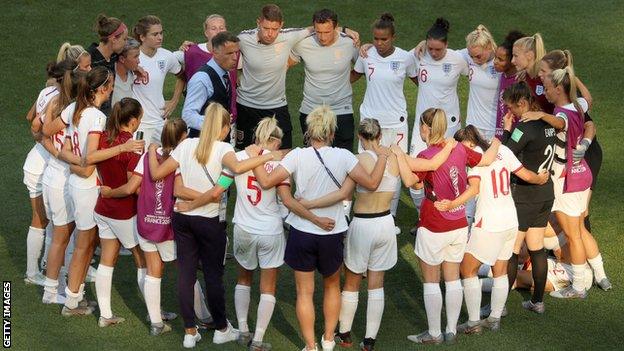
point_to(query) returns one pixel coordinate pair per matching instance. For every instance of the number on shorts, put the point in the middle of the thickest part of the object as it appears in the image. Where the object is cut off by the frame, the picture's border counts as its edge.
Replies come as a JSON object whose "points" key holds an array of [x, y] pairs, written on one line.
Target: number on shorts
{"points": [[422, 75], [503, 177], [252, 184], [76, 144], [549, 152]]}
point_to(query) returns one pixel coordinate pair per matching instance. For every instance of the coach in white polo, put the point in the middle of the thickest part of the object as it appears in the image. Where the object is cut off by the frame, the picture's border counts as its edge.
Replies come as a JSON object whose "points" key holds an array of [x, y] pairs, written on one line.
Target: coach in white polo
{"points": [[327, 56]]}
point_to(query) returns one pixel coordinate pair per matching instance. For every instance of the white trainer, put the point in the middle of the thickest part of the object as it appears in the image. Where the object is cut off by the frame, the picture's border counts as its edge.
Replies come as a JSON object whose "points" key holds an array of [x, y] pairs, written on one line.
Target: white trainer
{"points": [[37, 279], [52, 297], [221, 337], [190, 340], [327, 345]]}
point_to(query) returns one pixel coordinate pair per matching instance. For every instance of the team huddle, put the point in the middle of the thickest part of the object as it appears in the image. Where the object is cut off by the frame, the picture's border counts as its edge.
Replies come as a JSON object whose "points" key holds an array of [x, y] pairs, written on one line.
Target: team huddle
{"points": [[501, 203]]}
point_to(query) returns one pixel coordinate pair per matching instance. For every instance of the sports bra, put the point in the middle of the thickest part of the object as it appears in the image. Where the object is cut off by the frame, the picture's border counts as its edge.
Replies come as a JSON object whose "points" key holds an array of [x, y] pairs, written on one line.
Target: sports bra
{"points": [[388, 181]]}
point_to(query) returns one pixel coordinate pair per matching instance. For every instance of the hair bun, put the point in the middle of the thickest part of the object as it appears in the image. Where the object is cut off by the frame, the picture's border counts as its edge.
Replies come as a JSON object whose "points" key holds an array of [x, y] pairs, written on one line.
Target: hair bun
{"points": [[387, 16], [442, 23]]}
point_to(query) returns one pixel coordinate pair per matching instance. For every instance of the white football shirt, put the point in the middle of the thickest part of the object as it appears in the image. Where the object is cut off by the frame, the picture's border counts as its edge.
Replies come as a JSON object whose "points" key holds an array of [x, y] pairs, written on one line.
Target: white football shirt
{"points": [[57, 172], [257, 211], [384, 99], [149, 90], [437, 87], [92, 121], [313, 181], [193, 174], [38, 156], [482, 97], [496, 211]]}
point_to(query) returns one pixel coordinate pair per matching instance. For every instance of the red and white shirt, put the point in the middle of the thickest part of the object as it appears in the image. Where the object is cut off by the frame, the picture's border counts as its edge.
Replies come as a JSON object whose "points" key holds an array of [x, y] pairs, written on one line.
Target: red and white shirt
{"points": [[496, 211], [257, 211]]}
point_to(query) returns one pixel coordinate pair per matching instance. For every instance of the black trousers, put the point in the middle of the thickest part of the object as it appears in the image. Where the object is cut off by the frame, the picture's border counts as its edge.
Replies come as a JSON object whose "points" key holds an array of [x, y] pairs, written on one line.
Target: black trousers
{"points": [[200, 239]]}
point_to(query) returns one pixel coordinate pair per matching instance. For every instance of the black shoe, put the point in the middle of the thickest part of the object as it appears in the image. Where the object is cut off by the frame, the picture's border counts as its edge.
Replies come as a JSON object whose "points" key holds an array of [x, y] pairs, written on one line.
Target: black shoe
{"points": [[343, 339], [368, 344]]}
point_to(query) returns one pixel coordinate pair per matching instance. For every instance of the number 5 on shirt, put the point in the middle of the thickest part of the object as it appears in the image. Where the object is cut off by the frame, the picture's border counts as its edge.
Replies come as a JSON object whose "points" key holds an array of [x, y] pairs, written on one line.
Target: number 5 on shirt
{"points": [[252, 184]]}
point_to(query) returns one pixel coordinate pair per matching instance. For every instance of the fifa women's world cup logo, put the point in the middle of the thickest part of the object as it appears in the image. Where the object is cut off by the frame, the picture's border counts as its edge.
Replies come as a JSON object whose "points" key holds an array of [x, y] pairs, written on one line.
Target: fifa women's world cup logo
{"points": [[159, 211]]}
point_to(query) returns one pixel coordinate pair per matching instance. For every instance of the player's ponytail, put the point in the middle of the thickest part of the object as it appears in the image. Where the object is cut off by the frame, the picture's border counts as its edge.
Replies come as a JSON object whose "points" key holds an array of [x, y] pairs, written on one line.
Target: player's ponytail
{"points": [[88, 85], [566, 79], [266, 130], [533, 44], [215, 119], [123, 112], [174, 131], [67, 86], [369, 129], [481, 37], [321, 124], [558, 59], [439, 30], [435, 119], [471, 134]]}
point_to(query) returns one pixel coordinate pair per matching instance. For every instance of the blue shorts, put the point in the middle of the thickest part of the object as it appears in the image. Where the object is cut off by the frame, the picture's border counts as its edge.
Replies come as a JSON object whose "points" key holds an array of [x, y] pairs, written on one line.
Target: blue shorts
{"points": [[306, 252]]}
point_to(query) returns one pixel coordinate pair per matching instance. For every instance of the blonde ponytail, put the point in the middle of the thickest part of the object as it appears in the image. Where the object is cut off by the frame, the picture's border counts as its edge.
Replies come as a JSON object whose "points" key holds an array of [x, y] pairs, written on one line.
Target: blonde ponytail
{"points": [[435, 119], [267, 129], [321, 124], [70, 52], [565, 78], [481, 37], [535, 44], [215, 119]]}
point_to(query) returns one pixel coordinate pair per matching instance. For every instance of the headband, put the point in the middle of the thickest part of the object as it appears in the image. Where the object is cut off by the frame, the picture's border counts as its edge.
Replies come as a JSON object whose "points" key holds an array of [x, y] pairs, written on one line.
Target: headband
{"points": [[122, 27]]}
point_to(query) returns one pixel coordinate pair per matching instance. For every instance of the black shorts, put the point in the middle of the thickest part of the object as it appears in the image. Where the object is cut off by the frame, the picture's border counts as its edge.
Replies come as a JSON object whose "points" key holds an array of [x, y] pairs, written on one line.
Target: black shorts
{"points": [[306, 252], [345, 133], [249, 117], [533, 215], [593, 157]]}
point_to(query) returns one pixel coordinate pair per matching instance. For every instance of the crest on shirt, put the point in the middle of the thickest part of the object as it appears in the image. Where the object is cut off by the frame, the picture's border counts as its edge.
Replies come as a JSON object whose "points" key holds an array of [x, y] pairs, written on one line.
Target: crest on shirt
{"points": [[493, 71], [539, 90], [446, 68], [394, 65], [161, 65]]}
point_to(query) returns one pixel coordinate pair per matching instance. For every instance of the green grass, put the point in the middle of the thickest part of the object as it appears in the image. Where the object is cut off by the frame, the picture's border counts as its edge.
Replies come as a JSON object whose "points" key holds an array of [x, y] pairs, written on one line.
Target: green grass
{"points": [[32, 31]]}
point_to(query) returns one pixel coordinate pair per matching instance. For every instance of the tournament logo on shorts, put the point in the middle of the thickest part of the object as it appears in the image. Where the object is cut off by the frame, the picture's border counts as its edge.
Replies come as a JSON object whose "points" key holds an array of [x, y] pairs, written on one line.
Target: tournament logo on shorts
{"points": [[446, 68], [539, 90], [161, 65], [394, 65]]}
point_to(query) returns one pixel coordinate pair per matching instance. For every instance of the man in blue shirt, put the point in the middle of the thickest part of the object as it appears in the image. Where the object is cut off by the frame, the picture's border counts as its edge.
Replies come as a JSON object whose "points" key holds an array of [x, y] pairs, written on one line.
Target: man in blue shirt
{"points": [[211, 83]]}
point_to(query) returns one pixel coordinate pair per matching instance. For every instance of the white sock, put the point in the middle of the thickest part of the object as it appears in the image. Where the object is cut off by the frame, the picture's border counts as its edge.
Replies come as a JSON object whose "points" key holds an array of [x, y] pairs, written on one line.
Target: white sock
{"points": [[34, 244], [242, 297], [453, 303], [141, 273], [500, 289], [432, 295], [598, 267], [578, 277], [49, 231], [374, 311], [103, 285], [72, 299], [51, 286], [265, 311], [472, 294], [347, 310], [199, 302], [151, 289]]}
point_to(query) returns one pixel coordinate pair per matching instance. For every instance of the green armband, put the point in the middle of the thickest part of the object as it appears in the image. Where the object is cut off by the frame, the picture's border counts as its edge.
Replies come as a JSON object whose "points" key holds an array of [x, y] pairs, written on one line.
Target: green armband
{"points": [[225, 181]]}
